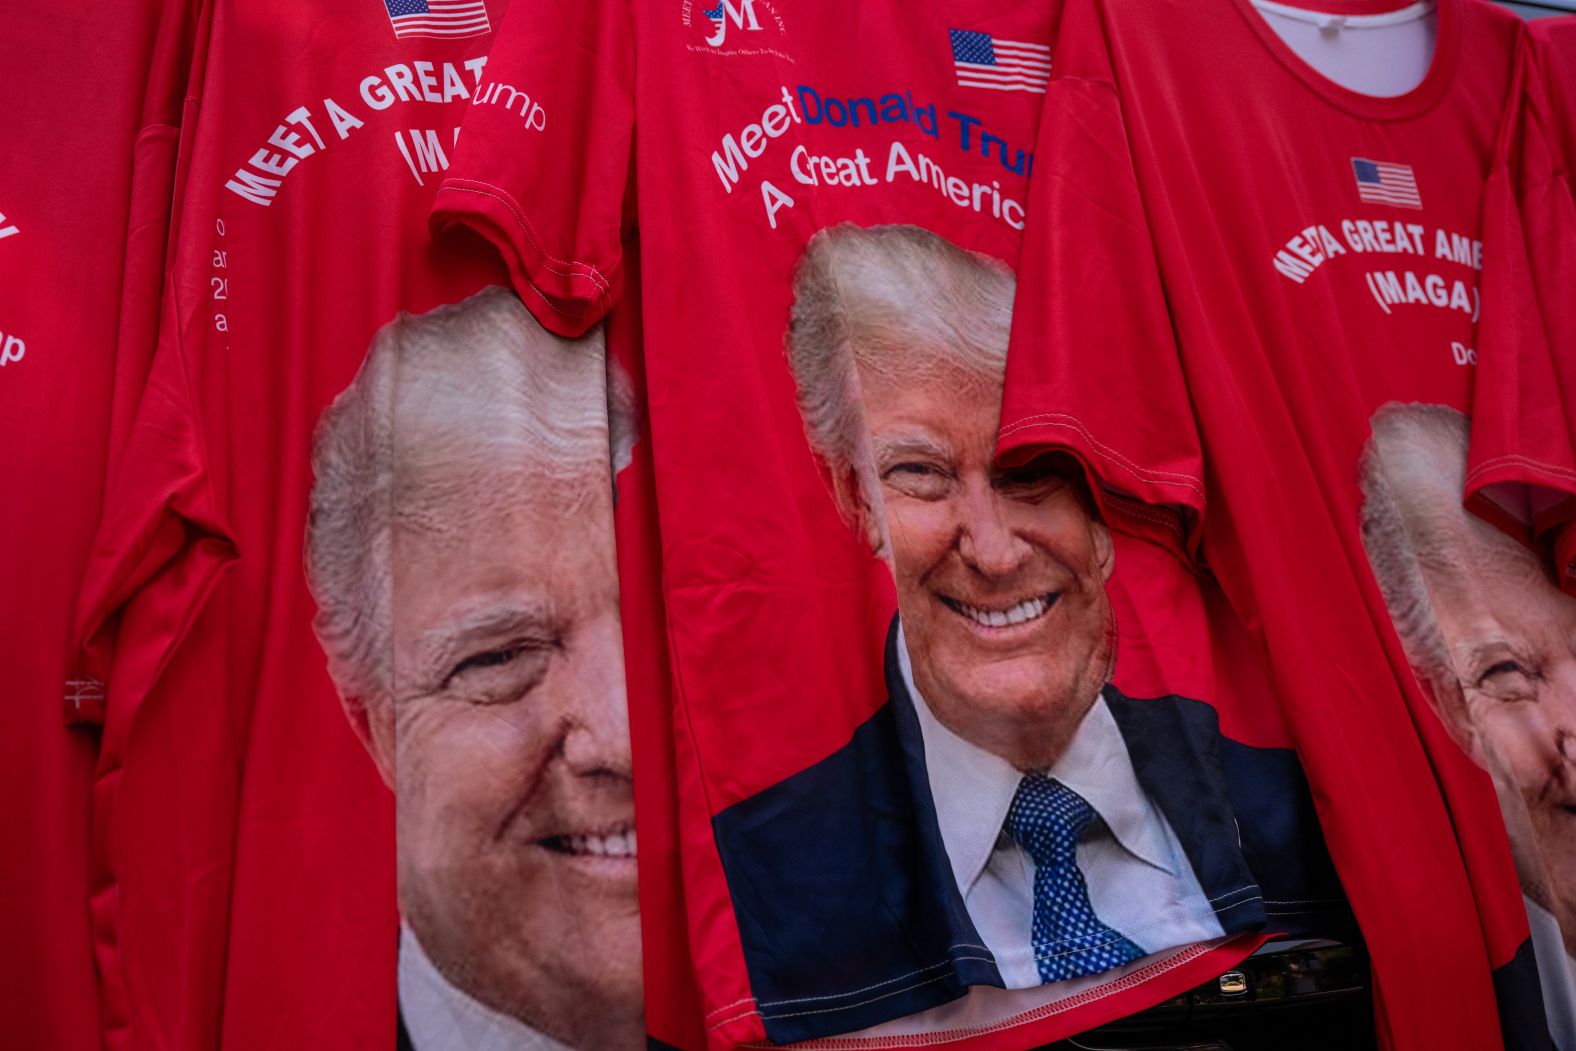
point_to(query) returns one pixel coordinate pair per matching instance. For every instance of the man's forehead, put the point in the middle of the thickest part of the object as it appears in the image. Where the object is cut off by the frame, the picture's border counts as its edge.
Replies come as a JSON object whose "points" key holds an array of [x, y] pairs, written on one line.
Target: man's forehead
{"points": [[455, 493], [900, 361]]}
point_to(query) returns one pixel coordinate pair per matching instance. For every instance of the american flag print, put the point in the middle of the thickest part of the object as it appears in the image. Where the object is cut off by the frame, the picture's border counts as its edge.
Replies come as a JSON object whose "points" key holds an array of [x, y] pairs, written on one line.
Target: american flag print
{"points": [[983, 61], [1381, 183], [438, 18]]}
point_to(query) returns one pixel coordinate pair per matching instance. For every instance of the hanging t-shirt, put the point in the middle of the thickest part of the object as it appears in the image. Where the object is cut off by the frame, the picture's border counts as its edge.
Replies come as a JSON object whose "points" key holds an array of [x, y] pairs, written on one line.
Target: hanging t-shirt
{"points": [[461, 552], [1238, 291], [1531, 227], [882, 821], [90, 100], [1540, 151], [244, 885]]}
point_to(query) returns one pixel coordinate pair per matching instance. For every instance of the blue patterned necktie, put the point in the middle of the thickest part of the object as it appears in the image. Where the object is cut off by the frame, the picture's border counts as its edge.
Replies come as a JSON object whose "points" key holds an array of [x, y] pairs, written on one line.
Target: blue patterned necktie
{"points": [[1047, 819]]}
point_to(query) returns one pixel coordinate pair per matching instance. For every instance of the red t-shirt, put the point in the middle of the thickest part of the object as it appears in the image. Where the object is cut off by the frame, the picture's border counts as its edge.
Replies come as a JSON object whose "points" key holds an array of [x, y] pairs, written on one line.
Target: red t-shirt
{"points": [[1530, 233], [242, 889], [1226, 278], [1539, 148], [736, 140], [92, 110]]}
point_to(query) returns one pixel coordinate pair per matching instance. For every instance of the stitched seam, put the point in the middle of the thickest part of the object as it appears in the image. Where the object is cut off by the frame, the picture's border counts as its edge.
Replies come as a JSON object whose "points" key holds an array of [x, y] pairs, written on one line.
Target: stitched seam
{"points": [[728, 1007], [862, 1003], [1037, 957], [553, 304], [1048, 419], [1051, 419], [735, 1018], [844, 1007], [1101, 992], [1251, 891], [1521, 461], [855, 992], [506, 199]]}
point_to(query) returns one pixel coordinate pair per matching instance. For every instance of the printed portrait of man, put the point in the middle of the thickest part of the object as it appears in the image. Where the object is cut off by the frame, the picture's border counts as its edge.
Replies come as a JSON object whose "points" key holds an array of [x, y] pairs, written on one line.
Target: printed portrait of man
{"points": [[1031, 827], [1493, 640], [461, 553]]}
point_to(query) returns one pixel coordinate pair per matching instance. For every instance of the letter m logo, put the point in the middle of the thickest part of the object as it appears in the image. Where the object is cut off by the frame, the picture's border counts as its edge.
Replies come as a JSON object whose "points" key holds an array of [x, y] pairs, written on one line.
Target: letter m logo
{"points": [[742, 16]]}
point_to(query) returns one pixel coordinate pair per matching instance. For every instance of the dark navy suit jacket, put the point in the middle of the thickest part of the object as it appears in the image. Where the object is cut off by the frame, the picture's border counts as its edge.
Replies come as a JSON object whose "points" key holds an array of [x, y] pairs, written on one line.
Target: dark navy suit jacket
{"points": [[847, 908]]}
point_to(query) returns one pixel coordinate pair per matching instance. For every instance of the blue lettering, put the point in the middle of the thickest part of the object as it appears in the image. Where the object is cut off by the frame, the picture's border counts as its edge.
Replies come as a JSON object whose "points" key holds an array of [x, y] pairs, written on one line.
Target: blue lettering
{"points": [[808, 98]]}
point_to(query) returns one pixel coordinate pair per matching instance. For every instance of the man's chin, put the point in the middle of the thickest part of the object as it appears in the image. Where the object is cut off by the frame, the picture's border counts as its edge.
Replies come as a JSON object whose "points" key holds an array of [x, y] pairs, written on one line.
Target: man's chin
{"points": [[557, 981], [1019, 718], [1021, 691]]}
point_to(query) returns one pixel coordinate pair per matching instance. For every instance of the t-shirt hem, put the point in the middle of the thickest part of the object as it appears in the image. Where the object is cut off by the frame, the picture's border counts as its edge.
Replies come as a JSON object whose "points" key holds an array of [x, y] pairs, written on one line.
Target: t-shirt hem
{"points": [[1555, 527], [1175, 499], [566, 296], [1177, 972]]}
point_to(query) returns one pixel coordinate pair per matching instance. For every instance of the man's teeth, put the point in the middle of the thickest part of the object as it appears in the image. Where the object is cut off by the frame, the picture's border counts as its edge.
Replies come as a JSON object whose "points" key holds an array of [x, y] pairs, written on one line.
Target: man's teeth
{"points": [[617, 845], [1027, 610]]}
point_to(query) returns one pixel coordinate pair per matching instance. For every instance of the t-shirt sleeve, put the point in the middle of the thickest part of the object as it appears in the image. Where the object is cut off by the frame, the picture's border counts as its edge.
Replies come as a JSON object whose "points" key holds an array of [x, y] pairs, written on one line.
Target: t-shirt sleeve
{"points": [[1521, 473], [1093, 368], [542, 165], [159, 548]]}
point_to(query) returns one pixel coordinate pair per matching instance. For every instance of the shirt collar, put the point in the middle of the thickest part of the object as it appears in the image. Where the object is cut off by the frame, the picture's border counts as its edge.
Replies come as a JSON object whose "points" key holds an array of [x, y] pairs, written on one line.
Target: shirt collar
{"points": [[1098, 767], [973, 789], [438, 1015]]}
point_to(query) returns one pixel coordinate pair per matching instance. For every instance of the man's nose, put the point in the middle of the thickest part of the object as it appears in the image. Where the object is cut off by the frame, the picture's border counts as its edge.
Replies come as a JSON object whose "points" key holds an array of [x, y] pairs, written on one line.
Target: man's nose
{"points": [[986, 540], [595, 706]]}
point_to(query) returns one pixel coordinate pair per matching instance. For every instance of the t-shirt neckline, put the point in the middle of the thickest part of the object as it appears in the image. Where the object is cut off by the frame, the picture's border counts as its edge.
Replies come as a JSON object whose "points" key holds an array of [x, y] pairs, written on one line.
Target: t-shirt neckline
{"points": [[1441, 68]]}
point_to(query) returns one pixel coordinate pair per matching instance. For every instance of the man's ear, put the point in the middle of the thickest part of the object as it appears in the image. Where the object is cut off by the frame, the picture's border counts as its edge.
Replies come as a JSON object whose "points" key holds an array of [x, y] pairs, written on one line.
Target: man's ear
{"points": [[1104, 550], [374, 727], [856, 510]]}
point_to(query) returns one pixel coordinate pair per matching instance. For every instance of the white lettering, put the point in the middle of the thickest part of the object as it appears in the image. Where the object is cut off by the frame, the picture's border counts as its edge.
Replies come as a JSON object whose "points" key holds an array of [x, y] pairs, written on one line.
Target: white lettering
{"points": [[774, 200], [426, 75], [259, 189], [344, 123], [530, 111], [733, 155], [375, 93]]}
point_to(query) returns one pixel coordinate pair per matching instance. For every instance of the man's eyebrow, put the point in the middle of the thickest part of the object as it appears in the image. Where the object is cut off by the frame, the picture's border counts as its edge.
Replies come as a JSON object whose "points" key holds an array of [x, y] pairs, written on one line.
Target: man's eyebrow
{"points": [[889, 448], [441, 646]]}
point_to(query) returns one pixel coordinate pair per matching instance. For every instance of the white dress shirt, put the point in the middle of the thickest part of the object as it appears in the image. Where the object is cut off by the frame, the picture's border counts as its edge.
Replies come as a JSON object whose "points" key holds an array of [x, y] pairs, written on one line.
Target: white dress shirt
{"points": [[1140, 881], [1556, 973], [440, 1017]]}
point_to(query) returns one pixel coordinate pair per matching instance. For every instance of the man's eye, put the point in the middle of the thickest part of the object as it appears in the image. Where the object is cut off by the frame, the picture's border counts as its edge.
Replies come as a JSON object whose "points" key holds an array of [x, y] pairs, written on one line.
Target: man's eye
{"points": [[920, 480], [490, 659], [1501, 670], [502, 661], [1509, 680]]}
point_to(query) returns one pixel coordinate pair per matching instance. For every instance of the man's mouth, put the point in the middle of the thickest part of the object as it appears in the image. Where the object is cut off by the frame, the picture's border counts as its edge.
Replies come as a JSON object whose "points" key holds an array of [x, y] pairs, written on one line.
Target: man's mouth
{"points": [[614, 843], [1007, 616]]}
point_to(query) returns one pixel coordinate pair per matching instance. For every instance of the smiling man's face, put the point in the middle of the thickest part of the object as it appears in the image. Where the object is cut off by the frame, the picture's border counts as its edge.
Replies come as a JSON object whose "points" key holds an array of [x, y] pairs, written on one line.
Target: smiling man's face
{"points": [[1511, 635], [1000, 574], [511, 744]]}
